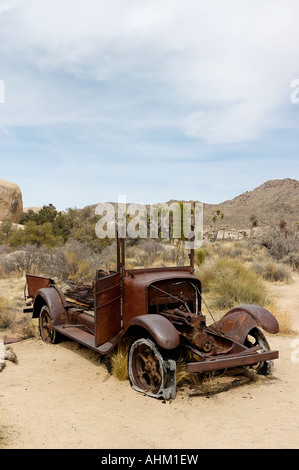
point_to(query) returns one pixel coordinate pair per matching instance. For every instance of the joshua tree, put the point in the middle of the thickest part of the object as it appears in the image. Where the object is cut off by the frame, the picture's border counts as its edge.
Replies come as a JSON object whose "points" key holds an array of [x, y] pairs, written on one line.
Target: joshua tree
{"points": [[216, 221]]}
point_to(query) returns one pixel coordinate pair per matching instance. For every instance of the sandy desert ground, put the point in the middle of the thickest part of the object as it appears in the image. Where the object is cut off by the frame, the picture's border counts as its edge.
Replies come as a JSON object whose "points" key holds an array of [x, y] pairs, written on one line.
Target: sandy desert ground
{"points": [[59, 397]]}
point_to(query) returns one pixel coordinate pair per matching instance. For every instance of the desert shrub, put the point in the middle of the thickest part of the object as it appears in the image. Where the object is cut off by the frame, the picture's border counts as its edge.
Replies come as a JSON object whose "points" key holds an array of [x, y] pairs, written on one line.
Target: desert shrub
{"points": [[145, 252], [279, 248], [45, 214], [34, 234], [229, 283], [29, 259], [6, 230], [245, 250], [272, 271], [151, 253], [200, 255], [230, 249], [236, 284], [206, 272], [292, 257], [74, 261], [48, 227]]}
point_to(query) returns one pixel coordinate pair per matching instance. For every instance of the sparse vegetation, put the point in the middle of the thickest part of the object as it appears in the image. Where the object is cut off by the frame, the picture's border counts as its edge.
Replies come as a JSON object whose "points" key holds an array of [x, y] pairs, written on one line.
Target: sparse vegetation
{"points": [[272, 271], [64, 246]]}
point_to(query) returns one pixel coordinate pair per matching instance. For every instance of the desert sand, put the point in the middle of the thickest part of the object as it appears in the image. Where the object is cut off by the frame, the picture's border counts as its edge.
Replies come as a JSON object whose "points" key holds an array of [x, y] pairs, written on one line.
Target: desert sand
{"points": [[60, 397]]}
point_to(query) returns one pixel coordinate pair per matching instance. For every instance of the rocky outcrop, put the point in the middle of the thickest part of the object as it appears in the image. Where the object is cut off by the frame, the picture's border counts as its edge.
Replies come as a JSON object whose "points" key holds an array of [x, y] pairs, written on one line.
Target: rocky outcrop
{"points": [[11, 202]]}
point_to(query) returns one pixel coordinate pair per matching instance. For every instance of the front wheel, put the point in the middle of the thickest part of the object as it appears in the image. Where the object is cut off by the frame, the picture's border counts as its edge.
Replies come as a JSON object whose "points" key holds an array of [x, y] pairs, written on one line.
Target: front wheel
{"points": [[149, 372], [47, 332], [256, 338]]}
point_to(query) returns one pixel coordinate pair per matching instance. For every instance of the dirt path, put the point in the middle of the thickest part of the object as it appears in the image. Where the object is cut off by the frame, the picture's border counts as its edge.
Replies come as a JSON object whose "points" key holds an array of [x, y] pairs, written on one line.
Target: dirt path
{"points": [[58, 397]]}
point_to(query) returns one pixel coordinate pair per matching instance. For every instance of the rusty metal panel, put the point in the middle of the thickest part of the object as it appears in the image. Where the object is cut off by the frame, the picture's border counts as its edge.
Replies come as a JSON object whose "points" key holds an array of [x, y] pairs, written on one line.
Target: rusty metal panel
{"points": [[108, 308], [264, 318], [34, 283], [137, 282], [236, 325]]}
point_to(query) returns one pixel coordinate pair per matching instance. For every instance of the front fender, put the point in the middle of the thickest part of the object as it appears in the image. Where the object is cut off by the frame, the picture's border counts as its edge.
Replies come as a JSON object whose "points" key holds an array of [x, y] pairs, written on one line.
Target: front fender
{"points": [[238, 321], [161, 329], [55, 300]]}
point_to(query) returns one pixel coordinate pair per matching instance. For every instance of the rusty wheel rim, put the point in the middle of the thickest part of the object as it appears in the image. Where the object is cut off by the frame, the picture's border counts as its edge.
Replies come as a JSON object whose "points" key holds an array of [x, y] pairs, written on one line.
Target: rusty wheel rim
{"points": [[46, 329], [256, 338], [147, 368]]}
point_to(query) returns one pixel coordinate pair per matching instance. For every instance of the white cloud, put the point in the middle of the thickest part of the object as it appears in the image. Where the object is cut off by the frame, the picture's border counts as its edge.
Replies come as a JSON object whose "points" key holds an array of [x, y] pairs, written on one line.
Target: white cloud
{"points": [[227, 64]]}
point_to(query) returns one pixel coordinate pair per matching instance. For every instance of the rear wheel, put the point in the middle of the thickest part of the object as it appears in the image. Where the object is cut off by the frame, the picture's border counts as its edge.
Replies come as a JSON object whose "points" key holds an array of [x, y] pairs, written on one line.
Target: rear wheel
{"points": [[149, 372], [47, 332]]}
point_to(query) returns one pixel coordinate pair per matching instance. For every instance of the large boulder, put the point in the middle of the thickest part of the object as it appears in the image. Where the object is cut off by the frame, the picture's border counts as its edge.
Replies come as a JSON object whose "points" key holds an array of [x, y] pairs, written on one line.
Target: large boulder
{"points": [[11, 202]]}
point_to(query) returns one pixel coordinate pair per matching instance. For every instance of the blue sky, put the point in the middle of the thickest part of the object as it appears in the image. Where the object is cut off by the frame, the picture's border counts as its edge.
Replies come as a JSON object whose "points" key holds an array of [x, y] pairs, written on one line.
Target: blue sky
{"points": [[156, 100]]}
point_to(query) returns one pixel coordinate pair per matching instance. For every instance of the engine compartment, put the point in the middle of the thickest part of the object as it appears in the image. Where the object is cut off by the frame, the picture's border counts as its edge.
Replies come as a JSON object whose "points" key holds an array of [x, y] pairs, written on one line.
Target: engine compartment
{"points": [[180, 302]]}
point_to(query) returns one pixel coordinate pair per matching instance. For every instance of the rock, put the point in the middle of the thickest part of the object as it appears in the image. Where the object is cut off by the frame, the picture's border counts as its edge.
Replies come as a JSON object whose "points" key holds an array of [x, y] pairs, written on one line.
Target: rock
{"points": [[11, 202]]}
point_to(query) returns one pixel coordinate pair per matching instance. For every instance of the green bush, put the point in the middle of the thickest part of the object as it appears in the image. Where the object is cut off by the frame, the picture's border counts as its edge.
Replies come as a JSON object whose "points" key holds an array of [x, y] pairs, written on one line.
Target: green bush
{"points": [[34, 234], [46, 214]]}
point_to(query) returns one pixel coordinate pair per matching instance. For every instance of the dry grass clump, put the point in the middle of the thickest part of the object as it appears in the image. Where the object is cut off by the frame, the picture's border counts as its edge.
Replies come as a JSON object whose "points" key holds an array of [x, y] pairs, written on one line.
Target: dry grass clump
{"points": [[4, 436], [183, 377], [5, 318], [244, 250], [12, 317], [284, 318], [119, 361], [17, 323]]}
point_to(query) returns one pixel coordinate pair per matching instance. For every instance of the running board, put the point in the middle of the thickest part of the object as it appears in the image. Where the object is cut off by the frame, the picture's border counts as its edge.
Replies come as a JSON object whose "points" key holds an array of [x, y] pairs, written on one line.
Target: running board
{"points": [[83, 337]]}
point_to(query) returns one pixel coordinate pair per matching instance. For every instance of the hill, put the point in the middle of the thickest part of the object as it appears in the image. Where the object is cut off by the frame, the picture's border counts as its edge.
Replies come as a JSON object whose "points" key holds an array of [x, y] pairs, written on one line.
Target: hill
{"points": [[270, 203]]}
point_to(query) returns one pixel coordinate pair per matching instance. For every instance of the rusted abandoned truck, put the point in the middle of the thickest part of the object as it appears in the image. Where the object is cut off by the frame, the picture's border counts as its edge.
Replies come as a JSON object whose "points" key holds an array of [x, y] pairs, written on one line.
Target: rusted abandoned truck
{"points": [[159, 309]]}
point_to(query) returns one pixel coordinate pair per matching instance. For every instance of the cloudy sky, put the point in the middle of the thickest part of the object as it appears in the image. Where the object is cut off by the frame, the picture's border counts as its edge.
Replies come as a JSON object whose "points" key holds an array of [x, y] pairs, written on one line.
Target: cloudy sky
{"points": [[152, 99]]}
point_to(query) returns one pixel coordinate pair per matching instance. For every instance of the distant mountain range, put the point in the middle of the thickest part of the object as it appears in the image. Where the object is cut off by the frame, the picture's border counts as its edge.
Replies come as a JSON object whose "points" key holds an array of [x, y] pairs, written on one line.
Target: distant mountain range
{"points": [[269, 203]]}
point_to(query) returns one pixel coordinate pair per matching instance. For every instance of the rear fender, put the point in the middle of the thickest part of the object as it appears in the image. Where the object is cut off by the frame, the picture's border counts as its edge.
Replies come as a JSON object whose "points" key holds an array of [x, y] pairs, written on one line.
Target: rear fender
{"points": [[56, 302], [161, 329], [238, 321]]}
